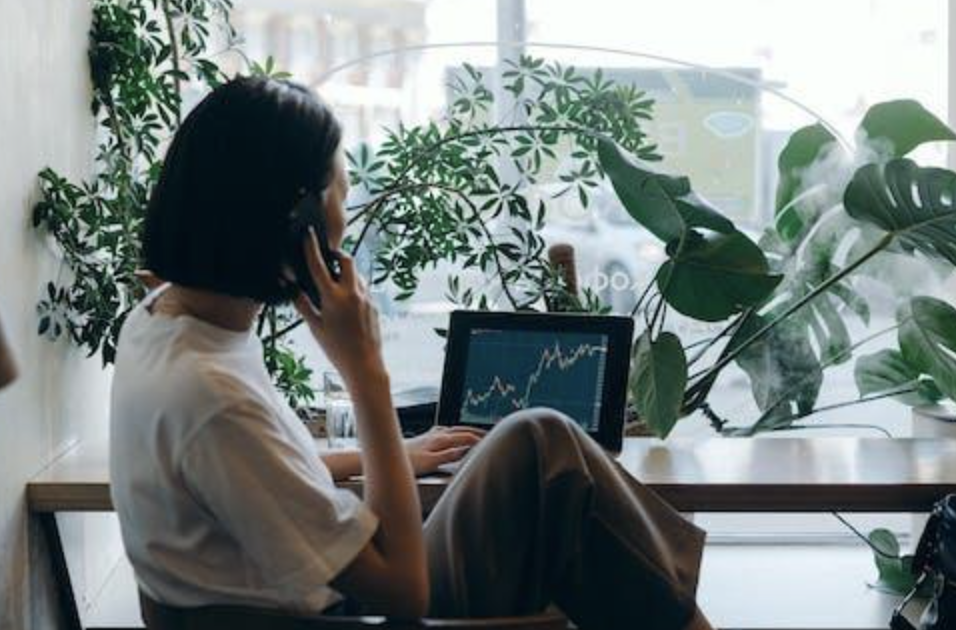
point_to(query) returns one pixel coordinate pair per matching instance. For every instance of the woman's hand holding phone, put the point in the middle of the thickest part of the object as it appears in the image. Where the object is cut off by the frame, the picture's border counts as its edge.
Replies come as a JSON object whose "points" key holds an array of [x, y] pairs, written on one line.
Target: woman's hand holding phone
{"points": [[392, 566], [347, 327]]}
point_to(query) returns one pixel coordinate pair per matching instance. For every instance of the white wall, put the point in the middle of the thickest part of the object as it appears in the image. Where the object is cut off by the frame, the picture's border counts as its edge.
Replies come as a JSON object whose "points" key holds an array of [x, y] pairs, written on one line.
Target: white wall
{"points": [[60, 397]]}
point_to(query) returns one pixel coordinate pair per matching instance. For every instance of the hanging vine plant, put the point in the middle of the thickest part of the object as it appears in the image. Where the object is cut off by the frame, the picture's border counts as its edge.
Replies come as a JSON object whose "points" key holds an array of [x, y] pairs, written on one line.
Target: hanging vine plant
{"points": [[142, 53]]}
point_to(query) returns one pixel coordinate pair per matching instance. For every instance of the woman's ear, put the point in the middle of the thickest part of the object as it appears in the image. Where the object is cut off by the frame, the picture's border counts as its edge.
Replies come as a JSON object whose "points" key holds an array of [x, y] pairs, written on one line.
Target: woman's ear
{"points": [[8, 367]]}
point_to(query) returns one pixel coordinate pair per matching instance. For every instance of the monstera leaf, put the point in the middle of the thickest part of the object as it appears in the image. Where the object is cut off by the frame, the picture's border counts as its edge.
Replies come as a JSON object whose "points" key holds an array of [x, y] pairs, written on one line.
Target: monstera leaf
{"points": [[887, 371], [914, 206], [805, 146], [715, 276], [658, 380], [889, 130], [823, 318], [784, 371], [903, 125], [663, 204], [927, 337]]}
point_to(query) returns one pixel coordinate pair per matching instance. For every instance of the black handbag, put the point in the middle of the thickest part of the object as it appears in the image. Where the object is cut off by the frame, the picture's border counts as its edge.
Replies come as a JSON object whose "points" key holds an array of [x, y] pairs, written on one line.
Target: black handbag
{"points": [[935, 563]]}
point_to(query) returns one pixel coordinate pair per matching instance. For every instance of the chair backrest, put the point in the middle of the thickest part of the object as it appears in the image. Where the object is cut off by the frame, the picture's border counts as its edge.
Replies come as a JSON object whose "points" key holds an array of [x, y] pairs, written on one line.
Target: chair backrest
{"points": [[162, 617]]}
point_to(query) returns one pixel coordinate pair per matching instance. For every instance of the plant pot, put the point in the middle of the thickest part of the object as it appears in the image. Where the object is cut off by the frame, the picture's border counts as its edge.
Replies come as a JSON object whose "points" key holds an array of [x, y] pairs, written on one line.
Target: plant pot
{"points": [[934, 421]]}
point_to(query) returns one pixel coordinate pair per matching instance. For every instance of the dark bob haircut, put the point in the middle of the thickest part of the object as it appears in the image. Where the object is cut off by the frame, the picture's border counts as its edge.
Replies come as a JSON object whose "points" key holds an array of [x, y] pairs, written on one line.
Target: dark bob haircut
{"points": [[219, 215]]}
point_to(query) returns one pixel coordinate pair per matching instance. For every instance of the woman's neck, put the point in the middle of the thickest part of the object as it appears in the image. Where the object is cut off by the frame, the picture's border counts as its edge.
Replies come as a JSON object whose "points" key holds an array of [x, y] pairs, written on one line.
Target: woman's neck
{"points": [[225, 311]]}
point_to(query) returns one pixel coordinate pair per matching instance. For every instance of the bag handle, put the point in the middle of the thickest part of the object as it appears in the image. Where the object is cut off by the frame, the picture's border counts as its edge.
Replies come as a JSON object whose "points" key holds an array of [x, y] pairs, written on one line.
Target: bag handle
{"points": [[899, 621], [924, 565]]}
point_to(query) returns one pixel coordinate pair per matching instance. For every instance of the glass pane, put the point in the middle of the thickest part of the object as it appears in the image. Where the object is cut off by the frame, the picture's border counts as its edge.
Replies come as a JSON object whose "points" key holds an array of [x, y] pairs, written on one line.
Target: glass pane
{"points": [[834, 60], [727, 97], [366, 59], [836, 57]]}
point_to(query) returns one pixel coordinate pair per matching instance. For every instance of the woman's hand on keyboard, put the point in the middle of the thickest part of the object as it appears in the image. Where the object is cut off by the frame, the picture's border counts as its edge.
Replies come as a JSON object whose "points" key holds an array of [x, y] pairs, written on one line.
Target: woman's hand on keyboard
{"points": [[441, 445]]}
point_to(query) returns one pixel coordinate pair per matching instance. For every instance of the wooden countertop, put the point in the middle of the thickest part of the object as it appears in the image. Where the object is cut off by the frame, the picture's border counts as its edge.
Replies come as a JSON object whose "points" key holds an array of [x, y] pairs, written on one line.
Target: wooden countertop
{"points": [[710, 475]]}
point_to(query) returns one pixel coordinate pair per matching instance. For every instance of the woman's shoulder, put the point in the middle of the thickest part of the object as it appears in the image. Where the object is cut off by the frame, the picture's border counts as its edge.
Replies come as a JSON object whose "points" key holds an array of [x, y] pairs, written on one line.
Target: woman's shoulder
{"points": [[179, 378]]}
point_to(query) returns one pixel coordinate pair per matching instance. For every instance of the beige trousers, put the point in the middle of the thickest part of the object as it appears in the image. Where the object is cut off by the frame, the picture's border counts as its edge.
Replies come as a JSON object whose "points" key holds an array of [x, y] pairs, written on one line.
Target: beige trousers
{"points": [[540, 514]]}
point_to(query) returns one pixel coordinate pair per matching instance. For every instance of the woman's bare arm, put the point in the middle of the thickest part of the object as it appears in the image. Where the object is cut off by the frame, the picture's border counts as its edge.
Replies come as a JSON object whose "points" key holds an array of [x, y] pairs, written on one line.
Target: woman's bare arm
{"points": [[397, 552], [390, 573], [343, 464]]}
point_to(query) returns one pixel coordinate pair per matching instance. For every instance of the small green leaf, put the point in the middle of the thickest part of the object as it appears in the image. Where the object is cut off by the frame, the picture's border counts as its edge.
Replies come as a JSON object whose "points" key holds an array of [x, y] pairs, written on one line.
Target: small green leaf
{"points": [[894, 570], [658, 381], [884, 542], [904, 125]]}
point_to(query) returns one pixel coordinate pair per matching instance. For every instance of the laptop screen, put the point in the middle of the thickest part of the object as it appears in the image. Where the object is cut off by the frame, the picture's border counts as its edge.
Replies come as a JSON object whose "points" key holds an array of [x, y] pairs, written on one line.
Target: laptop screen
{"points": [[509, 370], [500, 363]]}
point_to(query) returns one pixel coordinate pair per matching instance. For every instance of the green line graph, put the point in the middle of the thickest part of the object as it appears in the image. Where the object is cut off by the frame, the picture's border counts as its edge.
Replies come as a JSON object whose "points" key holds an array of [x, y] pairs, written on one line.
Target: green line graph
{"points": [[509, 370]]}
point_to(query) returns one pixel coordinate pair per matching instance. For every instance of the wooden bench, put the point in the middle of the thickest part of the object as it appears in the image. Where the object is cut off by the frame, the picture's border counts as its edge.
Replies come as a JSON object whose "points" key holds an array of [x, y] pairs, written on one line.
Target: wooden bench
{"points": [[711, 475]]}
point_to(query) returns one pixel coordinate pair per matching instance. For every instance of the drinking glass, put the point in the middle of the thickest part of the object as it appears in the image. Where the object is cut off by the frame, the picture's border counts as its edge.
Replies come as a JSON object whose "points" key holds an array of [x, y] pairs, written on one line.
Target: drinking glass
{"points": [[339, 412]]}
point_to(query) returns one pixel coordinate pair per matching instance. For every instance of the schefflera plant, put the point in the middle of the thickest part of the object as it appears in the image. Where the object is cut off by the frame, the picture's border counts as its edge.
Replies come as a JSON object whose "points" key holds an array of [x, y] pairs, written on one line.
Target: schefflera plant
{"points": [[470, 187], [785, 299]]}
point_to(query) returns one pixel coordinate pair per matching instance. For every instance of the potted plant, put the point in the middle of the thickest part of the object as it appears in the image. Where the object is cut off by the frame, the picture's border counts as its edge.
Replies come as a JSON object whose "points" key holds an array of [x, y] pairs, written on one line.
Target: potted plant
{"points": [[786, 317]]}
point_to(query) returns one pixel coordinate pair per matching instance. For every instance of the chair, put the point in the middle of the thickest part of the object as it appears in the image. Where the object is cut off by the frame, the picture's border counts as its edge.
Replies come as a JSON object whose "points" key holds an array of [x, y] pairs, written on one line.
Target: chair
{"points": [[162, 617]]}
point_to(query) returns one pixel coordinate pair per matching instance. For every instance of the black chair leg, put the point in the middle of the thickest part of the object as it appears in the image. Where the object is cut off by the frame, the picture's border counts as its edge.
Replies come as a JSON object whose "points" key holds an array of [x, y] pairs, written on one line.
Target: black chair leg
{"points": [[66, 599]]}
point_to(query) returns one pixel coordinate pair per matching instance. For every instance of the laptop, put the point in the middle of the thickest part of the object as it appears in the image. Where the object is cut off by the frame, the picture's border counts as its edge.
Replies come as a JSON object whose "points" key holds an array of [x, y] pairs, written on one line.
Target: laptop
{"points": [[499, 363]]}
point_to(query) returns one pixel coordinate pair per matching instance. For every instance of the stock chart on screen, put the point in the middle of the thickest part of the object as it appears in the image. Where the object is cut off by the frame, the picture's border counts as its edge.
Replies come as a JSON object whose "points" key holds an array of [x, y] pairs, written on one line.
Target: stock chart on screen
{"points": [[508, 370]]}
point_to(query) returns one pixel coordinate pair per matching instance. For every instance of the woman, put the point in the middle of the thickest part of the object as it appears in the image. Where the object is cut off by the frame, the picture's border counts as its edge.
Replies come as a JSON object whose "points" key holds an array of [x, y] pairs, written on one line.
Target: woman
{"points": [[221, 495]]}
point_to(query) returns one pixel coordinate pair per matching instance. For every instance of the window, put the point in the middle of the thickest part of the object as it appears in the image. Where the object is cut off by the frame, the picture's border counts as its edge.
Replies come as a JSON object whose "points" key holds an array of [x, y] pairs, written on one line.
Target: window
{"points": [[732, 80]]}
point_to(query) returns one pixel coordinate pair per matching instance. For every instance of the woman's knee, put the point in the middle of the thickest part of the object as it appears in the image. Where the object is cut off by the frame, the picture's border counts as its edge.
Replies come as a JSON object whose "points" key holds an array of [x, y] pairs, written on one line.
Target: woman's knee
{"points": [[538, 428], [538, 418]]}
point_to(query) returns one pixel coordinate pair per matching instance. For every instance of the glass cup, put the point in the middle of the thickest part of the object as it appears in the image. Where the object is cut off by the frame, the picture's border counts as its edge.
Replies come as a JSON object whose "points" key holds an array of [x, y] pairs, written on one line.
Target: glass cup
{"points": [[339, 412]]}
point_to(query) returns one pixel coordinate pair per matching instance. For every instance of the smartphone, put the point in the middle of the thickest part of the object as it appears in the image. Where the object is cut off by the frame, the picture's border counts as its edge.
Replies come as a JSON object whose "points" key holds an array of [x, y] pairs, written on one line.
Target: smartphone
{"points": [[310, 212]]}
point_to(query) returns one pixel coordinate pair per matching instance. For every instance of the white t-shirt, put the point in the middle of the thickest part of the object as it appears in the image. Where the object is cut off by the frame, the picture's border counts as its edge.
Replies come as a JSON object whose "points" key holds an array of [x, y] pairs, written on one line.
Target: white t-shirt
{"points": [[220, 492]]}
